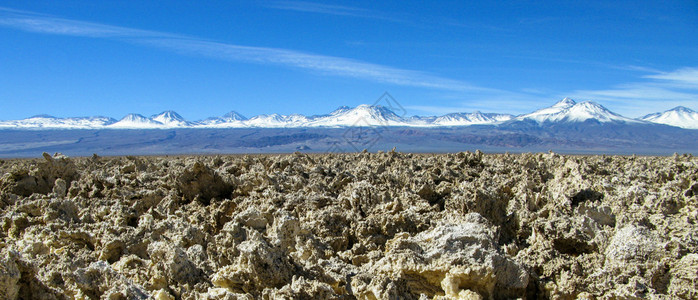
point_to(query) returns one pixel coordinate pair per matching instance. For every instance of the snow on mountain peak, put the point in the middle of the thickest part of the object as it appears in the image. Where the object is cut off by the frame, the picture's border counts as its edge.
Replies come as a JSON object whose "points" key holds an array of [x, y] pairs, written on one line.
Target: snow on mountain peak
{"points": [[231, 119], [682, 109], [568, 110], [168, 114], [545, 114], [277, 121], [136, 121], [375, 111], [134, 117], [566, 102], [47, 121], [340, 110], [362, 115], [474, 118], [42, 116], [678, 116], [170, 119], [592, 110], [233, 116]]}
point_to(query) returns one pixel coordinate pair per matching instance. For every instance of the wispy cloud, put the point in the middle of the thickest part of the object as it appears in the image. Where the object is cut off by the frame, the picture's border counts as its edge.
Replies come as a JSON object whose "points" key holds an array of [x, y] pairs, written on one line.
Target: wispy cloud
{"points": [[327, 65], [39, 23], [654, 92], [320, 63], [500, 102], [683, 78], [418, 20], [660, 91], [328, 9], [303, 6], [600, 64]]}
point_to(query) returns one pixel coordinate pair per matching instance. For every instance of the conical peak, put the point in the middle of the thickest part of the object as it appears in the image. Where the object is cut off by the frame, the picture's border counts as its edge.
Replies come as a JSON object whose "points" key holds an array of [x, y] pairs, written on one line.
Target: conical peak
{"points": [[567, 102]]}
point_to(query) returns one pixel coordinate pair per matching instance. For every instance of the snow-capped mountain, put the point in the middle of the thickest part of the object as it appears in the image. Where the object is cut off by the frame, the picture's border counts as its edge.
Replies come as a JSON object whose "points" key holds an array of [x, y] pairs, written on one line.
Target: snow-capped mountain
{"points": [[136, 121], [165, 119], [362, 115], [170, 119], [567, 111], [475, 118], [340, 110], [51, 122], [544, 114], [277, 120], [230, 120], [678, 116], [233, 116]]}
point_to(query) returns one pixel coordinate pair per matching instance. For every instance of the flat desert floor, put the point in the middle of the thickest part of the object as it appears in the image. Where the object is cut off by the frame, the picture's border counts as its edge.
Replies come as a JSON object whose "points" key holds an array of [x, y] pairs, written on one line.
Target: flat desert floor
{"points": [[381, 225]]}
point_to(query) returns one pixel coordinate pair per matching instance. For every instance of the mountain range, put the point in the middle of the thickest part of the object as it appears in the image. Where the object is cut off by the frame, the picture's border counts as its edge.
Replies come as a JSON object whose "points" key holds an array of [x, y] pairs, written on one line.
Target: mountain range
{"points": [[565, 127], [566, 111]]}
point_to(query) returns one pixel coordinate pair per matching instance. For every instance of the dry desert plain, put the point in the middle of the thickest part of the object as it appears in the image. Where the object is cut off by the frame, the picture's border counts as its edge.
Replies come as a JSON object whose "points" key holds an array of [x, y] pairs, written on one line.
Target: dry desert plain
{"points": [[383, 225]]}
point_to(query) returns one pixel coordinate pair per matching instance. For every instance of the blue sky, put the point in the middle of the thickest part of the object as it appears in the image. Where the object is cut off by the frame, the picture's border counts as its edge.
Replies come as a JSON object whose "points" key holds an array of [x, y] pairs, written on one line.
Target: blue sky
{"points": [[205, 58]]}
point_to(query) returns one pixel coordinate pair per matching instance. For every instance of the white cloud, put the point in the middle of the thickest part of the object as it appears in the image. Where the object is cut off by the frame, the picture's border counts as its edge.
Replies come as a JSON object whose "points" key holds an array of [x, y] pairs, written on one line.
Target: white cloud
{"points": [[662, 91], [638, 91], [331, 65], [326, 64], [683, 78], [318, 8], [490, 102], [659, 91], [328, 9], [50, 25]]}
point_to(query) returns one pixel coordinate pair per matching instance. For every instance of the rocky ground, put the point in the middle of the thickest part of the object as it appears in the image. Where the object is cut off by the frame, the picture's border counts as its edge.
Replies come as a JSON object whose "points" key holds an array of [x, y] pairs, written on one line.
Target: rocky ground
{"points": [[344, 226]]}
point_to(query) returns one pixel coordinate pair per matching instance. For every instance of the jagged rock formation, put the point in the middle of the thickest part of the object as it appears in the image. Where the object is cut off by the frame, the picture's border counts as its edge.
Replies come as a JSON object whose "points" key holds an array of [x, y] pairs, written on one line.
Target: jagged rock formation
{"points": [[345, 226]]}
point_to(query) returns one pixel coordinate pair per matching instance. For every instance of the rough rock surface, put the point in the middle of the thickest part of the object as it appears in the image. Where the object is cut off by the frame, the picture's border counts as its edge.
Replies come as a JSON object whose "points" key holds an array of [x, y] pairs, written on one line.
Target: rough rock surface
{"points": [[349, 226]]}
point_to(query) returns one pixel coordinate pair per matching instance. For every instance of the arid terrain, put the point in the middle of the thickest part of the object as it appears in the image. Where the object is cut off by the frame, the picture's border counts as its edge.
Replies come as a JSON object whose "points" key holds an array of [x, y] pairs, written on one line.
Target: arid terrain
{"points": [[381, 225]]}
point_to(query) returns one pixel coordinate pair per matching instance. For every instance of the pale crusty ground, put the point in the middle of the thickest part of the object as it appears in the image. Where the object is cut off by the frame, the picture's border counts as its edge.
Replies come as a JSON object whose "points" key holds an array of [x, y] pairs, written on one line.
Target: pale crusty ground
{"points": [[344, 226]]}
